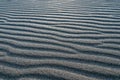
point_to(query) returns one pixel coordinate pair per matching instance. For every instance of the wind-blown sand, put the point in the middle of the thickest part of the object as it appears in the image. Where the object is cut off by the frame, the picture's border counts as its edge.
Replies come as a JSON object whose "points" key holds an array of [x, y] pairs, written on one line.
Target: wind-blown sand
{"points": [[60, 39]]}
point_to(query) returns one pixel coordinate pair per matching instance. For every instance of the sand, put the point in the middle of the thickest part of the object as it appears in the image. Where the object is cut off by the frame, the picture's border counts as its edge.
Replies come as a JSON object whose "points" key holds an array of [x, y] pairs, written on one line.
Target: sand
{"points": [[59, 40]]}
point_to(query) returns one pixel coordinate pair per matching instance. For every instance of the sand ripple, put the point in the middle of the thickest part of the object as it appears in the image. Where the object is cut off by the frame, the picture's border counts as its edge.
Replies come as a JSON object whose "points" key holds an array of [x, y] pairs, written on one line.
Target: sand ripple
{"points": [[60, 40]]}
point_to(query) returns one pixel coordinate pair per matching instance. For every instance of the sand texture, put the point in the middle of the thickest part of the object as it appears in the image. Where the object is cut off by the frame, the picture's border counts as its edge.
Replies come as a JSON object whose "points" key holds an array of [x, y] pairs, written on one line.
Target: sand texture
{"points": [[59, 39]]}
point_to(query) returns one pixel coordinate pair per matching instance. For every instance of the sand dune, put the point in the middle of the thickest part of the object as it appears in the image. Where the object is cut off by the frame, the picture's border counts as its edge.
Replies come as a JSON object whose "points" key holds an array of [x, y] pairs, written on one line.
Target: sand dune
{"points": [[59, 40]]}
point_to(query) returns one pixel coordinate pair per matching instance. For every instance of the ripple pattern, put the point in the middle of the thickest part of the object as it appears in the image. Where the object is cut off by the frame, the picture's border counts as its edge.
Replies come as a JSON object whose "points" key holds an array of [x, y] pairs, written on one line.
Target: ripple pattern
{"points": [[59, 40]]}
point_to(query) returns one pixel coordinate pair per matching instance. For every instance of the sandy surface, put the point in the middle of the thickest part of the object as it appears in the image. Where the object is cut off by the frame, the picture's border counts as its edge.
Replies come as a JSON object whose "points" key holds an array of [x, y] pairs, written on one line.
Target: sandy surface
{"points": [[59, 40]]}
